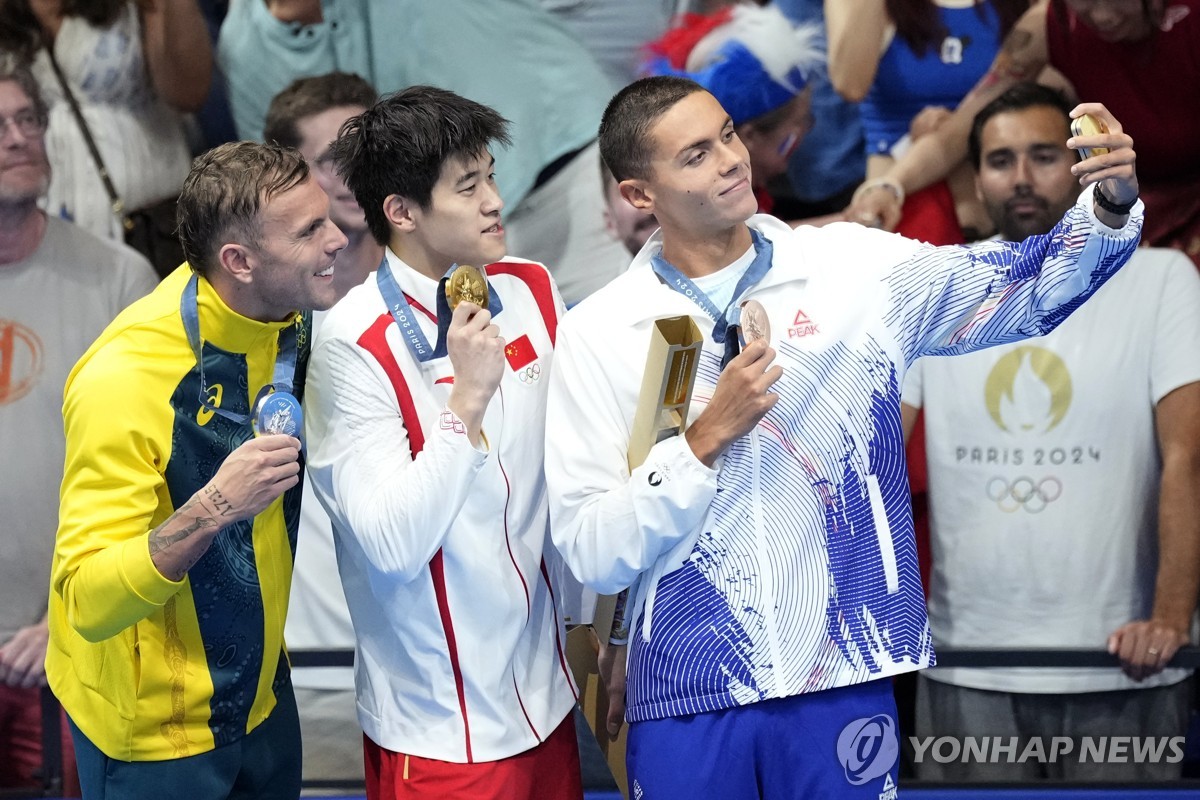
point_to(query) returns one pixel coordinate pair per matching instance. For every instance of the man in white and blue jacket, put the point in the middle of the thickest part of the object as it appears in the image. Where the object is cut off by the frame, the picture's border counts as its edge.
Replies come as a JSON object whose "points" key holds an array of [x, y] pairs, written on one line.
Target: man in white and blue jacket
{"points": [[774, 539]]}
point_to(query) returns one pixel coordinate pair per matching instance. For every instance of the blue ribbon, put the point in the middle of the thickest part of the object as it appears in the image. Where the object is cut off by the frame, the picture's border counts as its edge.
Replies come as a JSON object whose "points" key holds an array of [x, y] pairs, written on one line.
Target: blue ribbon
{"points": [[405, 317], [285, 361], [763, 252]]}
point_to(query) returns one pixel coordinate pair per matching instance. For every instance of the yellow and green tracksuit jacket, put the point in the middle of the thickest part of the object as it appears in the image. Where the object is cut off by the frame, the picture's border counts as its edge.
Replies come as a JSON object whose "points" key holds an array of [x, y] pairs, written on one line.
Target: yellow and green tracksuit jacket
{"points": [[150, 669]]}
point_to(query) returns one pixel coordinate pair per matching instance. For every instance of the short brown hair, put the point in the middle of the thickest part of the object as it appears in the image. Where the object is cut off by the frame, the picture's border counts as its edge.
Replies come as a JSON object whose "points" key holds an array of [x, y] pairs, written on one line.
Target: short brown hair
{"points": [[12, 68], [308, 97], [224, 192], [625, 127]]}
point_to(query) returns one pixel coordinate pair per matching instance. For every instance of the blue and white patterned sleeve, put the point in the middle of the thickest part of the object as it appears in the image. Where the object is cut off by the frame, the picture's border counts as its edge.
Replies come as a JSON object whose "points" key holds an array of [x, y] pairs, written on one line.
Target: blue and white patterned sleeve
{"points": [[950, 300]]}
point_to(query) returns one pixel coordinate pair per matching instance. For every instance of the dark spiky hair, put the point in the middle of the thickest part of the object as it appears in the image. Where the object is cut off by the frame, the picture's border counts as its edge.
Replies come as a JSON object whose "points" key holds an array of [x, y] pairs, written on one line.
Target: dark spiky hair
{"points": [[400, 144]]}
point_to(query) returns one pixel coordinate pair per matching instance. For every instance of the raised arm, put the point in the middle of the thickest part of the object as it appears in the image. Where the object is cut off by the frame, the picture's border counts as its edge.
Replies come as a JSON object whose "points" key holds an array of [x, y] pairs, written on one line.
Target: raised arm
{"points": [[856, 30], [1022, 57], [121, 552], [178, 51]]}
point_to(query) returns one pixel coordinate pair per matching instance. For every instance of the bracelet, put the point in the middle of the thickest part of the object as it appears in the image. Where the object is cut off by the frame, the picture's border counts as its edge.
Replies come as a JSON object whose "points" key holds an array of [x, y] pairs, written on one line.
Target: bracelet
{"points": [[1112, 207], [890, 184]]}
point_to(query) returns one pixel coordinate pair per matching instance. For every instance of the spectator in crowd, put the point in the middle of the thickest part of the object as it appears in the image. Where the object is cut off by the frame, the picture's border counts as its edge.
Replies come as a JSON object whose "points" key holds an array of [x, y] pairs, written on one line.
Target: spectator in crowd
{"points": [[307, 115], [1147, 51], [177, 524], [629, 225], [132, 68], [615, 32], [910, 62], [1053, 526], [774, 540], [59, 287], [512, 56], [830, 161]]}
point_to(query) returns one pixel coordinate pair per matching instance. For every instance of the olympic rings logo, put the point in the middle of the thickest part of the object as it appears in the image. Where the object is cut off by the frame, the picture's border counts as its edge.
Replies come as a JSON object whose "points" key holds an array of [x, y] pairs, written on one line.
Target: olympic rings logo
{"points": [[1024, 493], [530, 374]]}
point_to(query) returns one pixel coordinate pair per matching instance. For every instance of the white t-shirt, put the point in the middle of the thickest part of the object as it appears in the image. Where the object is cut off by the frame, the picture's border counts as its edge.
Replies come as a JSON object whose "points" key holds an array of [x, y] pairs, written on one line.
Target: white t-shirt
{"points": [[53, 304], [1043, 475]]}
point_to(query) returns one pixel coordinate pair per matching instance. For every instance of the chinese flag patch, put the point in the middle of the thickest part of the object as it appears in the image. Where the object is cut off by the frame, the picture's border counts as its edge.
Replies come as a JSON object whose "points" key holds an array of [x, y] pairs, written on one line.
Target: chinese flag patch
{"points": [[520, 352]]}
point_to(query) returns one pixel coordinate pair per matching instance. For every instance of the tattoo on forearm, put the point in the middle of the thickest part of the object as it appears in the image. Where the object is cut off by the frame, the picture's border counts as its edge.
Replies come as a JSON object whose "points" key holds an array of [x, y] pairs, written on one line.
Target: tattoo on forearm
{"points": [[1016, 60], [161, 539], [222, 506]]}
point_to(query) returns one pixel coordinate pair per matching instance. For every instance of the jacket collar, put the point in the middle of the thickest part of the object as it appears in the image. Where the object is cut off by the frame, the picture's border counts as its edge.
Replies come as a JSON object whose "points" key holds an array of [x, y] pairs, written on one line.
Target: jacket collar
{"points": [[646, 297]]}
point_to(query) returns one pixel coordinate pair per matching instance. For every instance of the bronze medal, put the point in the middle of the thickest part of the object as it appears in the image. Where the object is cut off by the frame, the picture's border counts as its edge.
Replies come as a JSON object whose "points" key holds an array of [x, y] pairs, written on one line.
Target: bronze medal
{"points": [[467, 284], [754, 322]]}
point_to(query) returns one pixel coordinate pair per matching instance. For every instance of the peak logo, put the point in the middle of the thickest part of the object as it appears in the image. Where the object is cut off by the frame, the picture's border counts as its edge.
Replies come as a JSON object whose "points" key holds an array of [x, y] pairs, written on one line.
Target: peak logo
{"points": [[802, 326], [868, 748], [1028, 391], [20, 360]]}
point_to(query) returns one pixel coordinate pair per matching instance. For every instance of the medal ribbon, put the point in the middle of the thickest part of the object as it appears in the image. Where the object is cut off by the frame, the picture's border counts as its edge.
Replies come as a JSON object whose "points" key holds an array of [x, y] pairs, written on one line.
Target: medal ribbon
{"points": [[285, 360], [402, 312], [731, 316]]}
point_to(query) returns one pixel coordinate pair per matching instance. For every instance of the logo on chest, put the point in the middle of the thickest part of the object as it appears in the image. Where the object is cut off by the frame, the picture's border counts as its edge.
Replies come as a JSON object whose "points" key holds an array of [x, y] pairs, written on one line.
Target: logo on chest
{"points": [[522, 357], [20, 360], [802, 326]]}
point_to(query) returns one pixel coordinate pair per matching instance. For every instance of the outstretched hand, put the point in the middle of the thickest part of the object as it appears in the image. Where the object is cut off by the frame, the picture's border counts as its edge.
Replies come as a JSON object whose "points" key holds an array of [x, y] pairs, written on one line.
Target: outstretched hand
{"points": [[1116, 168]]}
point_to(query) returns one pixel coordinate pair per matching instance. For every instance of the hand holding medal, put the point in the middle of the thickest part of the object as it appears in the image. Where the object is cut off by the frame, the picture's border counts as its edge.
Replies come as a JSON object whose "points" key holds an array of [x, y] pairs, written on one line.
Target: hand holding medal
{"points": [[278, 412], [475, 347], [754, 324]]}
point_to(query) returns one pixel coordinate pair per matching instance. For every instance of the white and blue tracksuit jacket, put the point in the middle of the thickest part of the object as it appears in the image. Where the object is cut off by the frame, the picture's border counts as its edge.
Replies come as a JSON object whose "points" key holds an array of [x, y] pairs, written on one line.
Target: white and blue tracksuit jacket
{"points": [[791, 566]]}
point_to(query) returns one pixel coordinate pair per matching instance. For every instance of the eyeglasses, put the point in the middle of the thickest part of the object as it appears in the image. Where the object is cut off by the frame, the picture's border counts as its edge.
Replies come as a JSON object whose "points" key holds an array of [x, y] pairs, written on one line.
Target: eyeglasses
{"points": [[28, 122]]}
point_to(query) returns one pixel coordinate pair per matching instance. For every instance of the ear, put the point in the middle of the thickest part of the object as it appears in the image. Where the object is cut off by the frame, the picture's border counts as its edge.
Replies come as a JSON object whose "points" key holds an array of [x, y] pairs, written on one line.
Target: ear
{"points": [[236, 262], [400, 212], [638, 194]]}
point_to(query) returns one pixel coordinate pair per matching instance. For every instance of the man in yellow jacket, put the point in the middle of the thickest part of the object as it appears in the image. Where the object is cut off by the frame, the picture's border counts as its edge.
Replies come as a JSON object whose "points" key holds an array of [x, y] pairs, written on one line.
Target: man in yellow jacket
{"points": [[177, 524]]}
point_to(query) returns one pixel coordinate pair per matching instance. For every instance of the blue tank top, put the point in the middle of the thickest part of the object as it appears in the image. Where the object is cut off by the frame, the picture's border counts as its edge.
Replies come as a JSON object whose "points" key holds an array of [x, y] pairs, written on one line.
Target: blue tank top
{"points": [[905, 83]]}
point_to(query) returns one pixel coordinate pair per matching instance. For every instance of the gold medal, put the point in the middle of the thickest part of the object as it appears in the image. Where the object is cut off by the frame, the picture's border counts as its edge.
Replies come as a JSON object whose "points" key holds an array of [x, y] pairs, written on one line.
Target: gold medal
{"points": [[466, 284], [754, 322]]}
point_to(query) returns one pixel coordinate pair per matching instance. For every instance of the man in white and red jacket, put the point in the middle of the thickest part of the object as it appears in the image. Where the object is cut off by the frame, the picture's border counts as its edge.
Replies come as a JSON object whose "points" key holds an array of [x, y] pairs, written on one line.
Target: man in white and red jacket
{"points": [[426, 439]]}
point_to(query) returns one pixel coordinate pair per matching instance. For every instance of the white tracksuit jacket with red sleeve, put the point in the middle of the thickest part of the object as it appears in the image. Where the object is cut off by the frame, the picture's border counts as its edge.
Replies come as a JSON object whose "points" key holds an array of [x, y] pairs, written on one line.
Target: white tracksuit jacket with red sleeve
{"points": [[443, 548]]}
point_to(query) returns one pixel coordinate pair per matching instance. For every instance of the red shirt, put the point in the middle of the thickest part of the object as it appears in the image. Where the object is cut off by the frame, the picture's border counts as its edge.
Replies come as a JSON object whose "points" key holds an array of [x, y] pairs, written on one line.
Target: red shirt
{"points": [[1153, 88]]}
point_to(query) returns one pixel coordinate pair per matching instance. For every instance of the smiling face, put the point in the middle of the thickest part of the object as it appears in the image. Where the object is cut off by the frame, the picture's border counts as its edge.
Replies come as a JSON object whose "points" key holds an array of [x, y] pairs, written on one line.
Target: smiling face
{"points": [[461, 224], [24, 168], [699, 177], [292, 264], [1024, 177]]}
